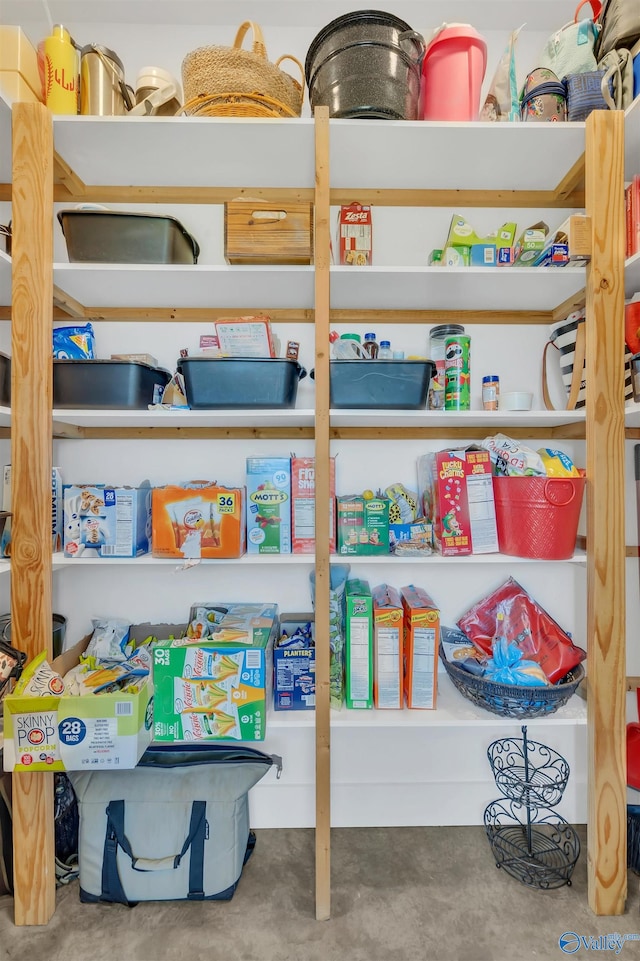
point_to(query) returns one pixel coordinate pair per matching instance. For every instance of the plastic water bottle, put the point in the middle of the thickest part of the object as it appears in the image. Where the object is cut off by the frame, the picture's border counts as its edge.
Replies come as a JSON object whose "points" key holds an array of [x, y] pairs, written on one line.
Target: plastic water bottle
{"points": [[385, 352]]}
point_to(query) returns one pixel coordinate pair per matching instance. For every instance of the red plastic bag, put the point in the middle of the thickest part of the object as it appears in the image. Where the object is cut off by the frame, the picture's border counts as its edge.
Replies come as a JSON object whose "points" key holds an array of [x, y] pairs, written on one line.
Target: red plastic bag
{"points": [[527, 624]]}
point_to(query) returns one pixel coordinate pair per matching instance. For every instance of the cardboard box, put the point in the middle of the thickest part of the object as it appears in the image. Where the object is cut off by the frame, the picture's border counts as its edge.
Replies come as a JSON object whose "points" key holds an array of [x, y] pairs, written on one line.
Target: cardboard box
{"points": [[18, 56], [482, 255], [77, 733], [256, 232], [530, 244], [421, 629], [198, 520], [462, 234], [388, 673], [56, 511], [294, 670], [268, 505], [355, 236], [456, 492], [214, 690], [363, 525], [358, 644], [456, 256], [105, 521], [229, 621], [303, 508]]}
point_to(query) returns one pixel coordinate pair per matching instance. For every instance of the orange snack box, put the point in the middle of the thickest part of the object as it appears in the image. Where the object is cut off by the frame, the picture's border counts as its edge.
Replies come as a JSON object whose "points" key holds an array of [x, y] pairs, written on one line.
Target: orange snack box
{"points": [[198, 520], [421, 641], [387, 648]]}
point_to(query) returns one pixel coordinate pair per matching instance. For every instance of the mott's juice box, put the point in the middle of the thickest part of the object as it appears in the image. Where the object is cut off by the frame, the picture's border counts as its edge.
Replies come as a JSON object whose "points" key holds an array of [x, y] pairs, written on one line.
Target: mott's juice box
{"points": [[421, 630], [268, 505]]}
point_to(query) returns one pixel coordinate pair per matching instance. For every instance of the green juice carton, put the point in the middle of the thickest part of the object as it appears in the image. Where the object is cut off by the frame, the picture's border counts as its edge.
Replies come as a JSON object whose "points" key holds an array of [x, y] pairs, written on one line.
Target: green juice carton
{"points": [[359, 644], [268, 505]]}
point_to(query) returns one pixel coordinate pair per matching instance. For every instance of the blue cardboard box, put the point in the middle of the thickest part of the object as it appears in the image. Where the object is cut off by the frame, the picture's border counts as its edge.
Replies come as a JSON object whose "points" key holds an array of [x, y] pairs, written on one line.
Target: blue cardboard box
{"points": [[105, 521], [294, 671]]}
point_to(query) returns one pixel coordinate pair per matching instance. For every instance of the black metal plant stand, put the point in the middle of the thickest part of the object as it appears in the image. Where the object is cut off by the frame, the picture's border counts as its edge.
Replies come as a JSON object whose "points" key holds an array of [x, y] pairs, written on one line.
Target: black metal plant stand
{"points": [[529, 839]]}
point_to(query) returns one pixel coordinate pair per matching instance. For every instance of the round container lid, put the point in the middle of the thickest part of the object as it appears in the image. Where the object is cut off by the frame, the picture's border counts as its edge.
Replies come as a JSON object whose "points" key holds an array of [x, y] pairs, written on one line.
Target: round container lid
{"points": [[446, 330], [370, 336], [490, 379], [156, 77], [350, 337]]}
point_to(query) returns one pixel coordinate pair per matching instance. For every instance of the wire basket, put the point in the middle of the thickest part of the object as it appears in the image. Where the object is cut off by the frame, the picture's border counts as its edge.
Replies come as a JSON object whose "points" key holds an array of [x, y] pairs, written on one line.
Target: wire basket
{"points": [[527, 771], [234, 104], [511, 700], [533, 844]]}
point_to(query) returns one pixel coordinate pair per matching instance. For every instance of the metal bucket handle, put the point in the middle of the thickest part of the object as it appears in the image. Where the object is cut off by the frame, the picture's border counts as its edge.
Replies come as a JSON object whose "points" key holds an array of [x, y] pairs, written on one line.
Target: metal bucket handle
{"points": [[559, 484], [414, 35]]}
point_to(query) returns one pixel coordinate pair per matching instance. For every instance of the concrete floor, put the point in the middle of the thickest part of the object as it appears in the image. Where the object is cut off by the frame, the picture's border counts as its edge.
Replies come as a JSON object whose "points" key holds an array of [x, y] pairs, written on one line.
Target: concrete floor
{"points": [[398, 894]]}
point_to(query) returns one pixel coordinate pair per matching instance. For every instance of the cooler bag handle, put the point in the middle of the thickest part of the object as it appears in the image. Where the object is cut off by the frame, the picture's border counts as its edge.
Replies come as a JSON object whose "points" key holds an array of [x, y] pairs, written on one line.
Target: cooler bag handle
{"points": [[577, 373], [112, 889]]}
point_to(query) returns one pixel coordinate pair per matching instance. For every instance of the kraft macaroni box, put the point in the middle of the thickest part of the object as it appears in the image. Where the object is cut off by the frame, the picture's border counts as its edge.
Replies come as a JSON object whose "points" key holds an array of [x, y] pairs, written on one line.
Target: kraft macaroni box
{"points": [[303, 507], [198, 520], [268, 505], [358, 644], [388, 670], [294, 668], [456, 492], [213, 690], [56, 510], [363, 525], [106, 521], [421, 630]]}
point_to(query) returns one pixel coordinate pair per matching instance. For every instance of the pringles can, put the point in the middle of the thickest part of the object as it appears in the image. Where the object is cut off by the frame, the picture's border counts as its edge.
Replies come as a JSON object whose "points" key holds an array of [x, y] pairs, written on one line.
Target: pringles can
{"points": [[457, 372], [61, 72]]}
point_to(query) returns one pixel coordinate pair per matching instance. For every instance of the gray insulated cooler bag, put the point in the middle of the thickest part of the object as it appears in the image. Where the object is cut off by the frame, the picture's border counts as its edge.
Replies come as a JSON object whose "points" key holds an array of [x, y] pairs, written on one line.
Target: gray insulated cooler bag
{"points": [[176, 827]]}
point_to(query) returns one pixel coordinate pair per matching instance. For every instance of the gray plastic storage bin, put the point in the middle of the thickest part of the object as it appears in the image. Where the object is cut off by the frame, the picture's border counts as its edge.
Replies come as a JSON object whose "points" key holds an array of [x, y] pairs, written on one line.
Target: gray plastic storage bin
{"points": [[107, 384], [384, 384], [241, 382]]}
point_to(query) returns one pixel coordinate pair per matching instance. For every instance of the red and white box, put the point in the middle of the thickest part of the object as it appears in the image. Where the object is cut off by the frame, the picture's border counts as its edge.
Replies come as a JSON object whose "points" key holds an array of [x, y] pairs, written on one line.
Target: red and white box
{"points": [[355, 235], [303, 506], [456, 494]]}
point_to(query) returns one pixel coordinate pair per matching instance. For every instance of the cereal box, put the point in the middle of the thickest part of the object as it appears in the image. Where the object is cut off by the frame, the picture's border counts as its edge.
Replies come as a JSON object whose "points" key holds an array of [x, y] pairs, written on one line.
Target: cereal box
{"points": [[387, 647], [269, 505], [355, 235], [104, 521], [363, 525], [198, 520], [421, 629], [359, 644], [456, 491], [303, 507]]}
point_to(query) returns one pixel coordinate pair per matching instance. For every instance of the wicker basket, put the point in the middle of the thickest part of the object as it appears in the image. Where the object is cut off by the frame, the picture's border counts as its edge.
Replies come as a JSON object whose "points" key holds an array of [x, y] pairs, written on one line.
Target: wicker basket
{"points": [[236, 105], [511, 700], [214, 71]]}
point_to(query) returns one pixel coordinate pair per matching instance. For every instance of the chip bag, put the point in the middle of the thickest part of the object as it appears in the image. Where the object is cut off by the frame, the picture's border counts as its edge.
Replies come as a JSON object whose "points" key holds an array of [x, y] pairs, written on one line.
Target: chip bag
{"points": [[502, 101]]}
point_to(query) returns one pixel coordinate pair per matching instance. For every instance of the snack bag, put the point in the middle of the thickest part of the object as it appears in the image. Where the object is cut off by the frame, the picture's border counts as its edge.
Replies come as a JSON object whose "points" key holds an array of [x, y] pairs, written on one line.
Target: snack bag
{"points": [[557, 463], [502, 101], [39, 679], [512, 459], [73, 343]]}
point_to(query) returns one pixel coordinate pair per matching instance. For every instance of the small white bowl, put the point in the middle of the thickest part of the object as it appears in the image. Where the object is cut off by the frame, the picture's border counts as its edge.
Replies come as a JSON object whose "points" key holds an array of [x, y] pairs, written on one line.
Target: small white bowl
{"points": [[516, 400]]}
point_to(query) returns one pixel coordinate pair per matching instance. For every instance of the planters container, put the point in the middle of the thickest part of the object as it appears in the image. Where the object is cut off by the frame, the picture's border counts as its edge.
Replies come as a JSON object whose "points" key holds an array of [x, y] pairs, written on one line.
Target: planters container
{"points": [[538, 516], [366, 64], [121, 237], [385, 384], [107, 384], [240, 383], [452, 74]]}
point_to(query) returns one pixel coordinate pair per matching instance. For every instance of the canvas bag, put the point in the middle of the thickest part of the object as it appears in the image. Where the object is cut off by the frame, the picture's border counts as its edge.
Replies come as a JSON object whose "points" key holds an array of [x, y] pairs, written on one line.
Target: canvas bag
{"points": [[571, 48], [568, 337], [176, 827], [619, 26]]}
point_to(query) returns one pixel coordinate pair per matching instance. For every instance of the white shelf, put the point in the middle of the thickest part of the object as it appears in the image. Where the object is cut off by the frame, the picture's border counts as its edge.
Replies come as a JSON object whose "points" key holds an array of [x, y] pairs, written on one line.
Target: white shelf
{"points": [[184, 418], [631, 139], [5, 566], [313, 14], [5, 272], [5, 417], [579, 557], [453, 710], [374, 154], [5, 138], [272, 287], [632, 272], [455, 419], [632, 414]]}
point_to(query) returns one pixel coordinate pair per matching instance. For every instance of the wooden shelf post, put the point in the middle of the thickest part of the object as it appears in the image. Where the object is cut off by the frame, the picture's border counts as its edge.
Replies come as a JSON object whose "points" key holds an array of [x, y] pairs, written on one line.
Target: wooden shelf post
{"points": [[31, 399], [322, 499], [606, 772]]}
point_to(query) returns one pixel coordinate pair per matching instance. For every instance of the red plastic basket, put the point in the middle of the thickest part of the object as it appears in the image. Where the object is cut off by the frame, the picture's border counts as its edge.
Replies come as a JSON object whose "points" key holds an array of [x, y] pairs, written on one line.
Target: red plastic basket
{"points": [[538, 516]]}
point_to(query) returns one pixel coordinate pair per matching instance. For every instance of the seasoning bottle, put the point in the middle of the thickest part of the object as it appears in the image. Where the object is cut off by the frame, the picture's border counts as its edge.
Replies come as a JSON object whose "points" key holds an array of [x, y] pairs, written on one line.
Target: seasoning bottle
{"points": [[370, 346], [490, 391], [385, 352]]}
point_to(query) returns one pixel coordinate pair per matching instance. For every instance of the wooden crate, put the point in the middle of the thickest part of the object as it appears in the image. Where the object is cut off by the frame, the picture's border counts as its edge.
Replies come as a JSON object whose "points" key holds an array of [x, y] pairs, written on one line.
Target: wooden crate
{"points": [[265, 233]]}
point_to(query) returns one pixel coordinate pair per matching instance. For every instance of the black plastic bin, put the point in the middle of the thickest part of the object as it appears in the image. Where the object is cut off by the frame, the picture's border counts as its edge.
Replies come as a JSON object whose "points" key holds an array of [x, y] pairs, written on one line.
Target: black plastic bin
{"points": [[5, 380], [107, 384], [385, 384], [240, 383], [126, 237]]}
